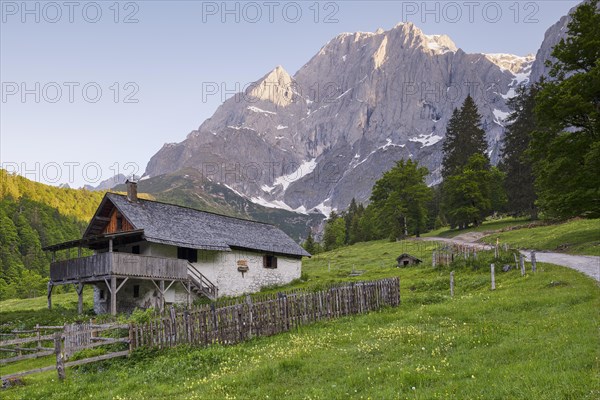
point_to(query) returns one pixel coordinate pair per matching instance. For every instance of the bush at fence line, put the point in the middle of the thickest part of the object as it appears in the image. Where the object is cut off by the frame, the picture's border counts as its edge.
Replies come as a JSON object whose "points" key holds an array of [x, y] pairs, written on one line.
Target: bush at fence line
{"points": [[141, 316], [140, 354], [87, 353], [96, 366]]}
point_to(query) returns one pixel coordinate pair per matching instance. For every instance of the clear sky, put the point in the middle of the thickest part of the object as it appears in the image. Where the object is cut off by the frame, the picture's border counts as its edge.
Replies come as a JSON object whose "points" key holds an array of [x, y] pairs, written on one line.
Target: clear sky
{"points": [[94, 88]]}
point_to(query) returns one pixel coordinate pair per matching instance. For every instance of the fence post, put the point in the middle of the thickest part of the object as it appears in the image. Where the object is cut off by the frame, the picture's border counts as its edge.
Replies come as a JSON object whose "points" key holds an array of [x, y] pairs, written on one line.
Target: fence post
{"points": [[214, 317], [186, 320], [522, 262], [433, 259], [39, 335], [60, 361], [132, 343], [452, 284], [493, 272], [533, 262], [250, 315], [173, 332]]}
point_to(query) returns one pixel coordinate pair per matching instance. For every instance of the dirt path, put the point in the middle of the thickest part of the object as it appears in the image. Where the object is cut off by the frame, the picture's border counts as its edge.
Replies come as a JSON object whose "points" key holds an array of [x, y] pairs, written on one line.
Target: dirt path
{"points": [[589, 265]]}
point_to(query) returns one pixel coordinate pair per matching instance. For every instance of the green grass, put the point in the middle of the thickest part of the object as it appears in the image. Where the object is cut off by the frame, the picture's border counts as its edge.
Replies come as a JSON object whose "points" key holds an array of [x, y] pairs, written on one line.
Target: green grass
{"points": [[579, 236], [487, 226], [535, 337], [25, 313]]}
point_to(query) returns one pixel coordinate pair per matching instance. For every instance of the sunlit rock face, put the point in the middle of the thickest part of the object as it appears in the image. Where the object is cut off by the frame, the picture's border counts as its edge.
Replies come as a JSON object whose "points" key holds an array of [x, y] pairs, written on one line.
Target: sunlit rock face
{"points": [[318, 138]]}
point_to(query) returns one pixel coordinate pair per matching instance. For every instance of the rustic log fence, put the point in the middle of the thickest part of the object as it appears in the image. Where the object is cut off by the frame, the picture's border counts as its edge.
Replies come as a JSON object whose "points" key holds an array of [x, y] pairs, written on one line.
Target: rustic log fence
{"points": [[63, 344], [241, 320], [278, 313]]}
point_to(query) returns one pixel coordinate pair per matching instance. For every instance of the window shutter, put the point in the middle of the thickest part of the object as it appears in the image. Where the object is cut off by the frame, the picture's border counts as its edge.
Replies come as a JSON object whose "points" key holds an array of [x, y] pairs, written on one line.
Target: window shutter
{"points": [[274, 262], [265, 261]]}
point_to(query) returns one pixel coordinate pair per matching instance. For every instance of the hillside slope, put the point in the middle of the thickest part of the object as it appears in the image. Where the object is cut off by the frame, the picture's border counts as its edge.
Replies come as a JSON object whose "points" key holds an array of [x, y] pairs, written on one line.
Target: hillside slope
{"points": [[33, 215]]}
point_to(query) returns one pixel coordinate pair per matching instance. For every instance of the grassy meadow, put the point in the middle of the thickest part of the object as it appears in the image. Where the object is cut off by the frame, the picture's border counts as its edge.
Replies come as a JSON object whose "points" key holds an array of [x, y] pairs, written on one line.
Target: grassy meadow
{"points": [[488, 226], [578, 236], [534, 337]]}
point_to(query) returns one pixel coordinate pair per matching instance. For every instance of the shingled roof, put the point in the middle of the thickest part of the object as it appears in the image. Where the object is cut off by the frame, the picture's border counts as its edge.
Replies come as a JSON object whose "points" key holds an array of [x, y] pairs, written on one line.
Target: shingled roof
{"points": [[186, 227]]}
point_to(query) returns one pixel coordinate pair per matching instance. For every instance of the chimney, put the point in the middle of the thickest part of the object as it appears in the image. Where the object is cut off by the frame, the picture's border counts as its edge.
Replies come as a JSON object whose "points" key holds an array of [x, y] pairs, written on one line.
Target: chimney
{"points": [[131, 191]]}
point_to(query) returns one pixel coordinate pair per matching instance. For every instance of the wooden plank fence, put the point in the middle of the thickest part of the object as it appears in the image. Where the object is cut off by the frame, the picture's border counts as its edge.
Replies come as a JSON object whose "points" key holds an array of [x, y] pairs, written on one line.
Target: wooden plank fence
{"points": [[281, 313]]}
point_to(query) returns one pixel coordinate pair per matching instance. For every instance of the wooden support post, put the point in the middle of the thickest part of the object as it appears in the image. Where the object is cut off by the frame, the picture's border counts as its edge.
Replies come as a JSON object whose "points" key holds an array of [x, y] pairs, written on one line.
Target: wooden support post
{"points": [[533, 262], [50, 287], [53, 255], [452, 284], [522, 263], [113, 295], [433, 259], [516, 261], [110, 245], [79, 252], [80, 298], [60, 361], [493, 272]]}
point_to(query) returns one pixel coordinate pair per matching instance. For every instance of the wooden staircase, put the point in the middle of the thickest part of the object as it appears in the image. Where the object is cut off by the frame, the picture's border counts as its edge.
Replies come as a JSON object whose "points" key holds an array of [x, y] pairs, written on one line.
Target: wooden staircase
{"points": [[200, 284]]}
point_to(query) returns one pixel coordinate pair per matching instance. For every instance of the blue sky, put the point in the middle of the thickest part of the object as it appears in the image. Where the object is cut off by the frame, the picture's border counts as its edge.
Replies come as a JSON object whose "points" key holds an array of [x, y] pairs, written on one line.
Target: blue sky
{"points": [[94, 88]]}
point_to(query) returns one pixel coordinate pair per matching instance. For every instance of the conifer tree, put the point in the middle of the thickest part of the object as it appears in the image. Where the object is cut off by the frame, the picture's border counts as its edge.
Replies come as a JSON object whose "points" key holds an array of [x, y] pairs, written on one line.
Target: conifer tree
{"points": [[515, 163], [464, 137]]}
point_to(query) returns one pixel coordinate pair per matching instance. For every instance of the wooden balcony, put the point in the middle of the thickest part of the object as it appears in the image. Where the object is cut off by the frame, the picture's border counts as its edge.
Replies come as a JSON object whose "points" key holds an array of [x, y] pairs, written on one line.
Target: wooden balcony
{"points": [[102, 265]]}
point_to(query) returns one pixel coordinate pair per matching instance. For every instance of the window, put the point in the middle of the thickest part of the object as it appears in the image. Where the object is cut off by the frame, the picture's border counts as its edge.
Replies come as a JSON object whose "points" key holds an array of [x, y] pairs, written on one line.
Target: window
{"points": [[135, 250], [136, 290], [101, 294], [184, 253], [269, 261], [119, 222]]}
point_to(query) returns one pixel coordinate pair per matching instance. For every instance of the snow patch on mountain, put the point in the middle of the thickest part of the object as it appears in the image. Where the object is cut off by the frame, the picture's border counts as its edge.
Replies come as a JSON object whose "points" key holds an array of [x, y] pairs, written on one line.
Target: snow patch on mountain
{"points": [[304, 169], [278, 204], [500, 116], [260, 111], [427, 140]]}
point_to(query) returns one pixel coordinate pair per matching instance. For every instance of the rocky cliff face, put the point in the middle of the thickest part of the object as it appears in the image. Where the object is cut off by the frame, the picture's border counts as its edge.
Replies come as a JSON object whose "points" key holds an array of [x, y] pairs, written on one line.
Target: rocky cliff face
{"points": [[319, 138], [553, 36]]}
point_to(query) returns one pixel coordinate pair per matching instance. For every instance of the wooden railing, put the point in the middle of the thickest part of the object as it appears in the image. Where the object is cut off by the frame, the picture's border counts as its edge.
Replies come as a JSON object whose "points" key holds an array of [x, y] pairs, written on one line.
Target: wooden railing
{"points": [[124, 264], [205, 286]]}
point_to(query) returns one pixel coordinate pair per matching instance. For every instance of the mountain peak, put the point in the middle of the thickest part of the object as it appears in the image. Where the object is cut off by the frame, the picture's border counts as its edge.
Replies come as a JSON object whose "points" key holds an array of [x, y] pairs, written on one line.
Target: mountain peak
{"points": [[276, 87]]}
